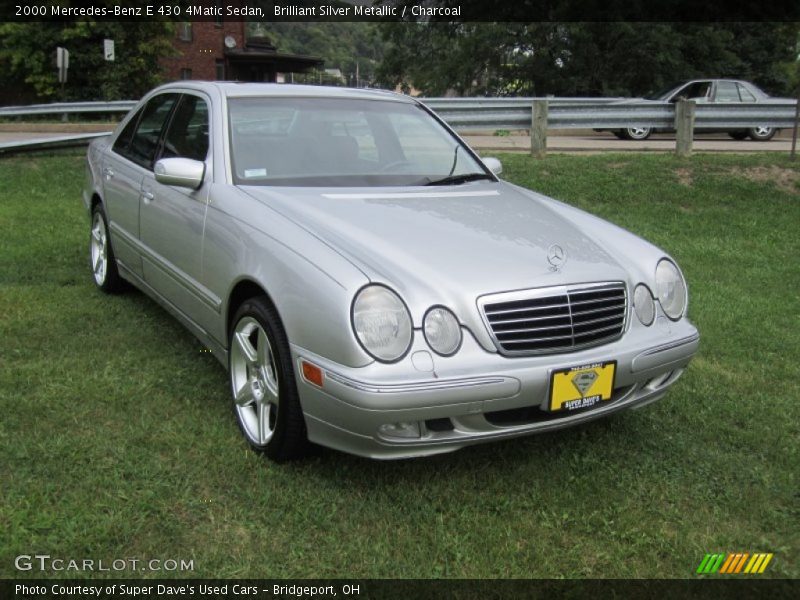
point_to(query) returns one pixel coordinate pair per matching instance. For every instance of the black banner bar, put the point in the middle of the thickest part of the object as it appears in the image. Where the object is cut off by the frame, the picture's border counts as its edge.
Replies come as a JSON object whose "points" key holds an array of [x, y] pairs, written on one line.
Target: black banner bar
{"points": [[400, 589], [709, 11]]}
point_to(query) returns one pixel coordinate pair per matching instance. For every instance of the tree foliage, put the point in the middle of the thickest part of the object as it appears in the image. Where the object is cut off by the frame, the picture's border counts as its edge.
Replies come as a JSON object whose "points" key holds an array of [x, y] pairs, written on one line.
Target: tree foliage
{"points": [[348, 46], [584, 59], [27, 62]]}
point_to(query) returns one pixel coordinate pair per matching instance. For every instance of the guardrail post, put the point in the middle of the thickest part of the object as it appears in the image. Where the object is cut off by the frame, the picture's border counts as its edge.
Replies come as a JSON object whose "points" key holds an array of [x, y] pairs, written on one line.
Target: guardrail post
{"points": [[684, 126], [539, 128], [793, 154]]}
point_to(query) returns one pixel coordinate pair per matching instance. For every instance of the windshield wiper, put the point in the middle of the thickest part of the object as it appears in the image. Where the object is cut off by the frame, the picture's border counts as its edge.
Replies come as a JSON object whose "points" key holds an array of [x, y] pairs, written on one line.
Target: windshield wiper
{"points": [[458, 179]]}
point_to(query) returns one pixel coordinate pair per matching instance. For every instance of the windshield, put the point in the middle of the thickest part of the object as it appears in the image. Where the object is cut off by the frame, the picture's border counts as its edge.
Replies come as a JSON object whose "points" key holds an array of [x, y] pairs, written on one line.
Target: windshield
{"points": [[342, 142], [664, 93]]}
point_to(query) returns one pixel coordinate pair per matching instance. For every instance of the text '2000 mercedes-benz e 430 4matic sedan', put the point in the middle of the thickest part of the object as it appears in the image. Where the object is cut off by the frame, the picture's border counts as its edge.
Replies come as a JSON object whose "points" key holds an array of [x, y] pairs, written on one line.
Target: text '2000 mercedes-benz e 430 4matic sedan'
{"points": [[367, 280]]}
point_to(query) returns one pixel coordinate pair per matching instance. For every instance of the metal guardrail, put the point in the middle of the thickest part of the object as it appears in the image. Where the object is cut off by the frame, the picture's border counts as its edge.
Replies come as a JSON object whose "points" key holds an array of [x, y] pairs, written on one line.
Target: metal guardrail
{"points": [[65, 108], [565, 114], [62, 141], [469, 114]]}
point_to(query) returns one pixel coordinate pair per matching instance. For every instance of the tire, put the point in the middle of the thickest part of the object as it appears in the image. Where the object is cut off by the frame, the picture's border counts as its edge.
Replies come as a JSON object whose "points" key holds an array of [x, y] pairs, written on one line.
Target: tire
{"points": [[738, 135], [620, 134], [637, 133], [263, 387], [761, 134], [101, 254]]}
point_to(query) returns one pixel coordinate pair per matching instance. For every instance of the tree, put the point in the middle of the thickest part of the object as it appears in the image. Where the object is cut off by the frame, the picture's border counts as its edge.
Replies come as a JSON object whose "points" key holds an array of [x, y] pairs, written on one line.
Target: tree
{"points": [[349, 47], [27, 58], [588, 59]]}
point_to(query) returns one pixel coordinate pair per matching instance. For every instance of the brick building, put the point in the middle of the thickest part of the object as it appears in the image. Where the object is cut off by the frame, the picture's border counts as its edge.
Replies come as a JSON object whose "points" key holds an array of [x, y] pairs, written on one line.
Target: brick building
{"points": [[221, 50]]}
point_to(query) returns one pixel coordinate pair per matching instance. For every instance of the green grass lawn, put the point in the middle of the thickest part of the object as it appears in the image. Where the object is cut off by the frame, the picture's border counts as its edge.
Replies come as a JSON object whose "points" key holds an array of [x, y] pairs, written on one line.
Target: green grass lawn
{"points": [[117, 440]]}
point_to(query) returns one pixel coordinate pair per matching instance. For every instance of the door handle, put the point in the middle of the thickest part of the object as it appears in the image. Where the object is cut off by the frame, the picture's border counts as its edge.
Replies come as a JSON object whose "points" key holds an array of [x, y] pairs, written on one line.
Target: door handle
{"points": [[108, 172], [147, 196]]}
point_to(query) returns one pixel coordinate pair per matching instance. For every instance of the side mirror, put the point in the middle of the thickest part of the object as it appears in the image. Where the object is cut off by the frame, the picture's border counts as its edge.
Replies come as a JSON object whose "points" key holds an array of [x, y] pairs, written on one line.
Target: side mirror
{"points": [[183, 172], [494, 165]]}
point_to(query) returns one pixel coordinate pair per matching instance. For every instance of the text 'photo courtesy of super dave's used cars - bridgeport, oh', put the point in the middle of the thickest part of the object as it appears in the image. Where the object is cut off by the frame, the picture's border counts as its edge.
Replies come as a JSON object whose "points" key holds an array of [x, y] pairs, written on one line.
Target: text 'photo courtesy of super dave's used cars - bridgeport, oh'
{"points": [[367, 280]]}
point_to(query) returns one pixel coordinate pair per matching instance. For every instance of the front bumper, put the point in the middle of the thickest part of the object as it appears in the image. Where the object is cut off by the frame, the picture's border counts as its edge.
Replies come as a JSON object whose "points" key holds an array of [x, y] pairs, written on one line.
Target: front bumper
{"points": [[477, 396]]}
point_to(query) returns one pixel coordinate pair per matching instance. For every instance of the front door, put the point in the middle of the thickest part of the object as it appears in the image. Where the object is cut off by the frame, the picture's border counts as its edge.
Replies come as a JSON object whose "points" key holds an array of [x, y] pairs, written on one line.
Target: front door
{"points": [[171, 218]]}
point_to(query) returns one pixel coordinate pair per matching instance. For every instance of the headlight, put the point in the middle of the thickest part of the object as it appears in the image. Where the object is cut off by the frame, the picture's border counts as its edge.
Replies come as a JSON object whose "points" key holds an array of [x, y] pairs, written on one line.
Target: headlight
{"points": [[442, 331], [670, 289], [382, 323], [643, 304]]}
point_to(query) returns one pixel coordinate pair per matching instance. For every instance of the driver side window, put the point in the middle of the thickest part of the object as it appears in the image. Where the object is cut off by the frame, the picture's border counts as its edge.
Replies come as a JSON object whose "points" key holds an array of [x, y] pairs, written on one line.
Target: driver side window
{"points": [[143, 144], [187, 135]]}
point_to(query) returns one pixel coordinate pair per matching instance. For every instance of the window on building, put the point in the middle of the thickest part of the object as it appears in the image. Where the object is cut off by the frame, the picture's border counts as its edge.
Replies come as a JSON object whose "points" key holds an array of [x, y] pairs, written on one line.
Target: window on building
{"points": [[219, 66], [186, 73], [185, 31], [218, 18]]}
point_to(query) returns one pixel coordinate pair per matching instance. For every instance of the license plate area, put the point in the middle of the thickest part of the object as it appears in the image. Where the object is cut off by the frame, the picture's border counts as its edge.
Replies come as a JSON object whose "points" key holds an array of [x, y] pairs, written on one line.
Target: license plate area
{"points": [[581, 387]]}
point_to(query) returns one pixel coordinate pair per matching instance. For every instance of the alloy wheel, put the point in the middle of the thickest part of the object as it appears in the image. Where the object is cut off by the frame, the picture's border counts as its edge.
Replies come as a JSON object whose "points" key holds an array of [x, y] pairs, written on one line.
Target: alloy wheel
{"points": [[254, 381]]}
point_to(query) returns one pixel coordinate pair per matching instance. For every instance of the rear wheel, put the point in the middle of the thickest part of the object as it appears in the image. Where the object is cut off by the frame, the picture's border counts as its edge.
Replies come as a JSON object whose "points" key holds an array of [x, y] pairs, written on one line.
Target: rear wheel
{"points": [[263, 387], [637, 133], [619, 134], [761, 134], [738, 135], [101, 255]]}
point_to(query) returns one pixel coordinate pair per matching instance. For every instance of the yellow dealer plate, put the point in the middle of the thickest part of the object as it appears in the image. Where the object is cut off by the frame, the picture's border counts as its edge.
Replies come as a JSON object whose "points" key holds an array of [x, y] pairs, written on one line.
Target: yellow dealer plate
{"points": [[582, 387]]}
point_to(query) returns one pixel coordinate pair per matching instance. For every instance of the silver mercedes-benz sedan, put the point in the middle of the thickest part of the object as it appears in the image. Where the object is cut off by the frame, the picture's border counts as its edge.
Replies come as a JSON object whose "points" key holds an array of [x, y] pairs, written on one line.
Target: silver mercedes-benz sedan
{"points": [[367, 280]]}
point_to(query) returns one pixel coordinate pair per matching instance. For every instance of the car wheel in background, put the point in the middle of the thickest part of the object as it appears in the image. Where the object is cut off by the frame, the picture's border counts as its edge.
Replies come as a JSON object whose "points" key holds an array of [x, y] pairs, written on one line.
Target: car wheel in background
{"points": [[738, 135], [101, 255], [637, 133], [620, 134], [761, 134], [263, 386]]}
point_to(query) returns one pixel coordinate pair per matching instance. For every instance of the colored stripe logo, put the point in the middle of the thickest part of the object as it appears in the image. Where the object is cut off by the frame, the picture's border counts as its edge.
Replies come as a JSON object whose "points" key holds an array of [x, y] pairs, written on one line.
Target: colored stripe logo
{"points": [[734, 563]]}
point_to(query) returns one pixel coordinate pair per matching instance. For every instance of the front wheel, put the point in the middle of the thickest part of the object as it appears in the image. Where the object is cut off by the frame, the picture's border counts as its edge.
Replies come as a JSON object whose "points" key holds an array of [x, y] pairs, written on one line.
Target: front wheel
{"points": [[761, 134], [638, 133], [101, 255], [263, 387]]}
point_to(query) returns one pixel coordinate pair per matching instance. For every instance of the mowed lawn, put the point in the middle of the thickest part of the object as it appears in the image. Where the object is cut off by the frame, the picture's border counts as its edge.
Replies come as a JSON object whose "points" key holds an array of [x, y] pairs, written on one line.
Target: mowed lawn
{"points": [[117, 439]]}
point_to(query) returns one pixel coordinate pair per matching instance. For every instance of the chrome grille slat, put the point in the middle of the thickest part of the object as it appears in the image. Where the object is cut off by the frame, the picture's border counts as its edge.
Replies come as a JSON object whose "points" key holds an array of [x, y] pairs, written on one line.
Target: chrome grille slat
{"points": [[596, 300], [526, 309], [597, 310], [500, 332], [557, 319]]}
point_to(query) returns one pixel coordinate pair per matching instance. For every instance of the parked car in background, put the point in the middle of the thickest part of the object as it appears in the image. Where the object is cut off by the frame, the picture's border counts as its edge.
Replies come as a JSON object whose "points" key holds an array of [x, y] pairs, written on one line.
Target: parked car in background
{"points": [[708, 91], [367, 281]]}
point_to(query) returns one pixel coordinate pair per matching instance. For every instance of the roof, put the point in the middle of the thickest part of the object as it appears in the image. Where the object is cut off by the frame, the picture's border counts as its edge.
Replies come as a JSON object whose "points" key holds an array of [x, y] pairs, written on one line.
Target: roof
{"points": [[248, 90]]}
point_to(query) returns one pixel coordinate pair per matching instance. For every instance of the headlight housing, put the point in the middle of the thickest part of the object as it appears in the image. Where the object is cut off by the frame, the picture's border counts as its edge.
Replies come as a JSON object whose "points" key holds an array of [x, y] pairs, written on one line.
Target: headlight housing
{"points": [[644, 305], [670, 289], [382, 323], [442, 331]]}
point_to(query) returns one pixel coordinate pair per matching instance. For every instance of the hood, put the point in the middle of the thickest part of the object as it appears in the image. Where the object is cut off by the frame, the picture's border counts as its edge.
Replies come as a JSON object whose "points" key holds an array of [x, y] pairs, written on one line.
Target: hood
{"points": [[462, 241]]}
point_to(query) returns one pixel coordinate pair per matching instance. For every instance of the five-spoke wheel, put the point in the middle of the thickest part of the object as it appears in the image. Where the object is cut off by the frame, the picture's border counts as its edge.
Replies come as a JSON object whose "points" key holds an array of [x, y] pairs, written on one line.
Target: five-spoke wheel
{"points": [[637, 133], [101, 255], [264, 391], [761, 133]]}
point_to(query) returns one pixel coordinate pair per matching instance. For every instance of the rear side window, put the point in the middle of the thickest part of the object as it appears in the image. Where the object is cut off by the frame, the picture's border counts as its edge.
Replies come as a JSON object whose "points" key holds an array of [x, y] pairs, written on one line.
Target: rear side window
{"points": [[727, 92], [745, 94], [144, 142], [187, 135]]}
